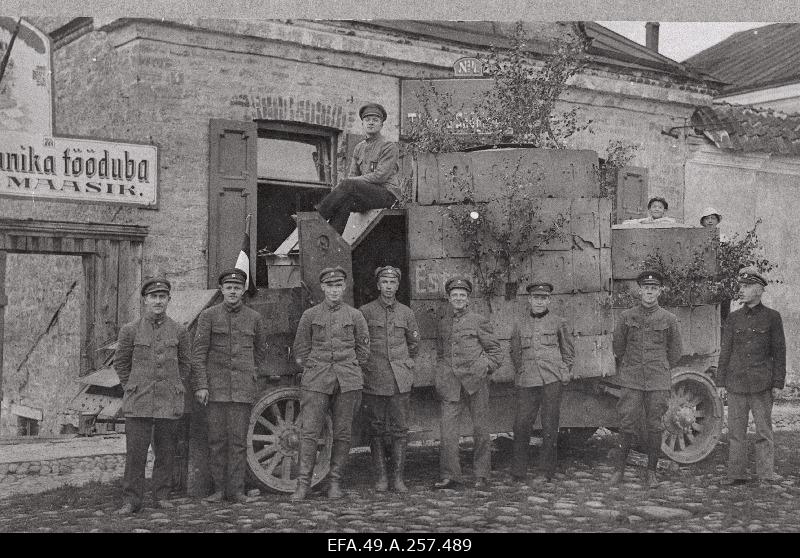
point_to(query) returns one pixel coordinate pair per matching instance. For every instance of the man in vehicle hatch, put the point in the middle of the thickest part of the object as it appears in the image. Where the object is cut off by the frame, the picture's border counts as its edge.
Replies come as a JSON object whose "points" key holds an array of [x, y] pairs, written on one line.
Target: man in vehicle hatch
{"points": [[467, 353], [229, 343], [373, 177], [647, 345], [542, 353], [388, 376], [332, 347], [152, 360]]}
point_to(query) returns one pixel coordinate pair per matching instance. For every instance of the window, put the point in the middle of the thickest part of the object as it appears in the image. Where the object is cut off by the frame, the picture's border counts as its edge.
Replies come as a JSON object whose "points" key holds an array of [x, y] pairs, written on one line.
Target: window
{"points": [[296, 168]]}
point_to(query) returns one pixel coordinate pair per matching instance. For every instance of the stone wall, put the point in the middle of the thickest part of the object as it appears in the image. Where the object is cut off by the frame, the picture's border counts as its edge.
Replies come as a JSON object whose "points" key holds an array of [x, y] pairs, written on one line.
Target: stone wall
{"points": [[42, 337], [745, 187]]}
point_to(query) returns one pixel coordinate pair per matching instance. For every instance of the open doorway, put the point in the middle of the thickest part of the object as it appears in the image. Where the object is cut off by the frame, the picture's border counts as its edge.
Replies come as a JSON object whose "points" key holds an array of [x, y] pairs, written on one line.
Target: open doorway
{"points": [[42, 341]]}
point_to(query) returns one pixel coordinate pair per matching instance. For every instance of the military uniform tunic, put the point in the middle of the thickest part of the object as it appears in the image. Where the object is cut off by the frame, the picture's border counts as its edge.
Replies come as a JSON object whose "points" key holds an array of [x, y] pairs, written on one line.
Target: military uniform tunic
{"points": [[152, 360], [229, 343], [542, 350], [467, 350], [375, 160], [649, 345], [394, 338], [332, 345]]}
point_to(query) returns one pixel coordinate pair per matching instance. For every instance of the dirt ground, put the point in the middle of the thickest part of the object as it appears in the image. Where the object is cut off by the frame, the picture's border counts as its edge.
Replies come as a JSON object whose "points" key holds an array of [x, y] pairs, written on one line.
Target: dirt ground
{"points": [[689, 499]]}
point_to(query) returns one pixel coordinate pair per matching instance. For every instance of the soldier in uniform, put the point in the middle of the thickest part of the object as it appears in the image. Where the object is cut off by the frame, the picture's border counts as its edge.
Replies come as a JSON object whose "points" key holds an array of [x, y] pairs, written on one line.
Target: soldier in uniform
{"points": [[467, 353], [388, 376], [229, 343], [152, 360], [752, 369], [373, 177], [332, 347], [542, 353], [647, 344]]}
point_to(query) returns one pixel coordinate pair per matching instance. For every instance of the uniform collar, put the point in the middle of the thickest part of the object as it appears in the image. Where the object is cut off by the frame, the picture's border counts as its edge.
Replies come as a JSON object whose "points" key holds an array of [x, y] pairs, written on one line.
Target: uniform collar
{"points": [[753, 309], [650, 310], [233, 308], [388, 305], [540, 315], [155, 320], [375, 138], [332, 306], [461, 312]]}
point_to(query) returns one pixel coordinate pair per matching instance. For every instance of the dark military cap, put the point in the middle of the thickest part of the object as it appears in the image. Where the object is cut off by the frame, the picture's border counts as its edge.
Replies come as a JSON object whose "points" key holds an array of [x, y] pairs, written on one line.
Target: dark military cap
{"points": [[539, 288], [458, 282], [650, 278], [155, 284], [332, 274], [233, 275], [387, 271], [657, 199], [372, 109], [750, 274]]}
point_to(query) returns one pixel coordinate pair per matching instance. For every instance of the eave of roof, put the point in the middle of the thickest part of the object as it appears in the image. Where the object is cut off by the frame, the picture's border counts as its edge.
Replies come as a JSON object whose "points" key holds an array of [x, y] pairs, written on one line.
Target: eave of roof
{"points": [[749, 129]]}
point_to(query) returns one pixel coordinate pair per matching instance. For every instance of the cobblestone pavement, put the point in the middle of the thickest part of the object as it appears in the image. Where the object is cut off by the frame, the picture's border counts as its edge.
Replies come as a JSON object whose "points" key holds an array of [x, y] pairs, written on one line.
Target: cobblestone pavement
{"points": [[689, 500]]}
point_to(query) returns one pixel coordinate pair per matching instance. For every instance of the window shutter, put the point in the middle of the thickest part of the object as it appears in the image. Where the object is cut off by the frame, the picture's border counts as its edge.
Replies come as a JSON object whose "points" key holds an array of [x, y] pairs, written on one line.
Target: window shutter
{"points": [[232, 192], [631, 193]]}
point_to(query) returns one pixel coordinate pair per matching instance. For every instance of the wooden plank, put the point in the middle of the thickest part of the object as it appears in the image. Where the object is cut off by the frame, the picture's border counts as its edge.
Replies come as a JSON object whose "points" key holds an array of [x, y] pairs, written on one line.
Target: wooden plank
{"points": [[606, 279], [107, 266], [429, 276], [676, 245], [604, 221], [129, 280], [425, 233], [88, 317], [554, 267], [586, 274], [3, 303], [548, 211], [584, 222], [594, 357], [428, 314]]}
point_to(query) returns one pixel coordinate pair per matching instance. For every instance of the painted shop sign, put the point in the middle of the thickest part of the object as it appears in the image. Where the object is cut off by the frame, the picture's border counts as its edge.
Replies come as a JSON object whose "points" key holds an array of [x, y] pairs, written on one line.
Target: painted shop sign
{"points": [[35, 164], [77, 169]]}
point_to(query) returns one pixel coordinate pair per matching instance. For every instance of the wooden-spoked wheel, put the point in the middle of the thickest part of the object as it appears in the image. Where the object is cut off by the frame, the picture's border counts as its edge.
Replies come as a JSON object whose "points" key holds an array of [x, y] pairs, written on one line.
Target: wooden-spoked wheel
{"points": [[273, 441], [693, 421]]}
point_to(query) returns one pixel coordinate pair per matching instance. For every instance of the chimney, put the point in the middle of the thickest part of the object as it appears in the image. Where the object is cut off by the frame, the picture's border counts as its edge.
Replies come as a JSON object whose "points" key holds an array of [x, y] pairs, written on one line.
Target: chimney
{"points": [[651, 34]]}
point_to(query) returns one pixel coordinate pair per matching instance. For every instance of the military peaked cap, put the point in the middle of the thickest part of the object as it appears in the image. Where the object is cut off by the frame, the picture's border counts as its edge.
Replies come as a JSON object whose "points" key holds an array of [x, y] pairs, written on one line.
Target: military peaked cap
{"points": [[539, 288], [650, 278], [233, 275], [387, 271], [156, 284], [750, 274], [332, 274], [458, 282], [372, 109]]}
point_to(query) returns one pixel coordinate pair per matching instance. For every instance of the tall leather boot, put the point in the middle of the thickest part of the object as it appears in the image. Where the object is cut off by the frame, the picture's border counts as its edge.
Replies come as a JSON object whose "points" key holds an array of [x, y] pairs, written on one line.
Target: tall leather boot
{"points": [[308, 458], [399, 462], [653, 451], [339, 454], [379, 464], [626, 443]]}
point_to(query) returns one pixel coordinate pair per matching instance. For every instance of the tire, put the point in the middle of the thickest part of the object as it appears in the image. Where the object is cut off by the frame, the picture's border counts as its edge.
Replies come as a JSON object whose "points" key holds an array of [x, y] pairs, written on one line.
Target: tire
{"points": [[273, 442], [693, 421]]}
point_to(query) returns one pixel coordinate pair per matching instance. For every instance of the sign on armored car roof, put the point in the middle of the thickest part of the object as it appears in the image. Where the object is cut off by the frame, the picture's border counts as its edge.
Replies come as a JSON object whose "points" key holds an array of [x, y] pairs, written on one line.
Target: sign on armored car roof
{"points": [[35, 164]]}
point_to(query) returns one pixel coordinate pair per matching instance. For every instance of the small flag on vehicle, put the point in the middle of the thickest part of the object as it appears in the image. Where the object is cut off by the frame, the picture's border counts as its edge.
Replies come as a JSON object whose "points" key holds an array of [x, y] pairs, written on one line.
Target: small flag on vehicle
{"points": [[243, 261]]}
